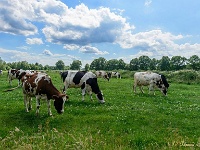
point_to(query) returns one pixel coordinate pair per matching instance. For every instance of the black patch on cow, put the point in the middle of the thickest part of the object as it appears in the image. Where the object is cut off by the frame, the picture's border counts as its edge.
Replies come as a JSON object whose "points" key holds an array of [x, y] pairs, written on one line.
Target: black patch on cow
{"points": [[164, 81], [100, 96], [83, 86], [78, 76], [109, 74], [94, 85], [64, 75]]}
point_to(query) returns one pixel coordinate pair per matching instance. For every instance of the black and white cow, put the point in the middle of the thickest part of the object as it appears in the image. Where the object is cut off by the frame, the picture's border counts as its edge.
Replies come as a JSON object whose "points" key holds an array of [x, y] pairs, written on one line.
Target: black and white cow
{"points": [[116, 74], [17, 74], [152, 80], [86, 80], [103, 74]]}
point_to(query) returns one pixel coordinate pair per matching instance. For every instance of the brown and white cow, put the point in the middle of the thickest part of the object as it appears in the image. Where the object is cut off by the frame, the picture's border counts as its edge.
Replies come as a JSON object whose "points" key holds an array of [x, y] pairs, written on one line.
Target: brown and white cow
{"points": [[152, 80], [86, 80], [103, 74], [39, 85], [17, 74]]}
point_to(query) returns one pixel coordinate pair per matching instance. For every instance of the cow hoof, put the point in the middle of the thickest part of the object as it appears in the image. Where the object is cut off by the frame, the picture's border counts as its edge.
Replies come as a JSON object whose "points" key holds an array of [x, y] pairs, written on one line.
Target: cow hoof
{"points": [[102, 101]]}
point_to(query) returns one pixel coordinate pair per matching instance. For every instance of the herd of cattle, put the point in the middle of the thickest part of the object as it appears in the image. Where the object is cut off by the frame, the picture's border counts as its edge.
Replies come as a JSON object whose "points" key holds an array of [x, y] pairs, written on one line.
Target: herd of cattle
{"points": [[39, 85]]}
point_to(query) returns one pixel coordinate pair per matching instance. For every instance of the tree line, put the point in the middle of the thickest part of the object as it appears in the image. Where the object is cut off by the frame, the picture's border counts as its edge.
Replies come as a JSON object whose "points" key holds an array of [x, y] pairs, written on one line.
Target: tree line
{"points": [[141, 63]]}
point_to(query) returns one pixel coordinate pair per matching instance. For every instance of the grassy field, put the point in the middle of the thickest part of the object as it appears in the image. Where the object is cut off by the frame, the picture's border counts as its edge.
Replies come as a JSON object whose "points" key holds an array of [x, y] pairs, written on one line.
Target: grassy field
{"points": [[126, 121]]}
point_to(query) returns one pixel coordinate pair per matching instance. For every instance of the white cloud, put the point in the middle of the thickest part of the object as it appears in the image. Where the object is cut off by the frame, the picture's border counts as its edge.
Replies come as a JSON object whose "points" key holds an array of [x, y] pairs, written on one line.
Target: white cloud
{"points": [[148, 3], [47, 52], [51, 59], [90, 49], [71, 47], [32, 41]]}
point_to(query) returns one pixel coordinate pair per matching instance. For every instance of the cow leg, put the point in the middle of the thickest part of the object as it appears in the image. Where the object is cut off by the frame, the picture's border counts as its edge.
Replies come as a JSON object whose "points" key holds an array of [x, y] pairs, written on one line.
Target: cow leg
{"points": [[151, 88], [49, 107], [37, 105], [141, 89], [29, 103], [26, 102], [90, 93], [64, 90], [10, 82], [83, 88], [134, 87]]}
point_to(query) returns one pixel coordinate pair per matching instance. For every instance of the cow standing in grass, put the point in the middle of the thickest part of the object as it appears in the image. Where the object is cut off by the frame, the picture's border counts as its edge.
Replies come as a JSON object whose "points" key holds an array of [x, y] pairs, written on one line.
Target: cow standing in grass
{"points": [[152, 80], [86, 80], [39, 85], [17, 74], [103, 74], [116, 74]]}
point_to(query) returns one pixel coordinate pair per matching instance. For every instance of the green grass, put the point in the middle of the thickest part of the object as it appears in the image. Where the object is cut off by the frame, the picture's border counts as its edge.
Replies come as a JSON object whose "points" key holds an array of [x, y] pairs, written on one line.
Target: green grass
{"points": [[126, 121]]}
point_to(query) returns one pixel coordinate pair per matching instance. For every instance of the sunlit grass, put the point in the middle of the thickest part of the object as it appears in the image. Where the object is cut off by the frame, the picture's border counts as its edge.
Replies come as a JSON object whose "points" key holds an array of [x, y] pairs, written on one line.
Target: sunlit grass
{"points": [[126, 121]]}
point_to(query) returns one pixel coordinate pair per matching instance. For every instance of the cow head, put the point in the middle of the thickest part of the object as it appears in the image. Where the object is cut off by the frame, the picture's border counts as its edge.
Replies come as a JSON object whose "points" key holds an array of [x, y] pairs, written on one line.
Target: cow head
{"points": [[99, 96], [59, 102], [162, 87]]}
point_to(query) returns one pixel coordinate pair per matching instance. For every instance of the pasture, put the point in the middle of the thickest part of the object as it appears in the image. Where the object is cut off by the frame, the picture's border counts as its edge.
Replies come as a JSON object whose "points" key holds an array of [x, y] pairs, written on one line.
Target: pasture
{"points": [[126, 120]]}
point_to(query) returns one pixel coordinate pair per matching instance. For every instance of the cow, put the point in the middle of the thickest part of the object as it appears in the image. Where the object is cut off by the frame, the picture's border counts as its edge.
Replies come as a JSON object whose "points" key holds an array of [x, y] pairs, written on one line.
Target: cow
{"points": [[39, 85], [1, 72], [103, 74], [87, 81], [152, 80], [17, 74], [116, 74]]}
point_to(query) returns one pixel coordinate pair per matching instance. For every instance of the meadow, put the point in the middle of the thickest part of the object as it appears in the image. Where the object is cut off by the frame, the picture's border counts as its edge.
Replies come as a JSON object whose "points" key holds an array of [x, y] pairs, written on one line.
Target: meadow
{"points": [[126, 120]]}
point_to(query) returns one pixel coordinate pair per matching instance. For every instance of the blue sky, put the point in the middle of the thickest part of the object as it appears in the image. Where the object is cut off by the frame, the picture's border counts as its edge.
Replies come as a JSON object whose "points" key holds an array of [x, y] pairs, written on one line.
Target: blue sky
{"points": [[46, 31]]}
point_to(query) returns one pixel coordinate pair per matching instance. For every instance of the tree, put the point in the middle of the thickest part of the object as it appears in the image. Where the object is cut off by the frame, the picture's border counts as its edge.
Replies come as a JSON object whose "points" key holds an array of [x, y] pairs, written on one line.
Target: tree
{"points": [[178, 63], [112, 64], [144, 62], [2, 64], [76, 65], [134, 64], [164, 63], [98, 64], [121, 64], [60, 65], [153, 64], [87, 67], [194, 62]]}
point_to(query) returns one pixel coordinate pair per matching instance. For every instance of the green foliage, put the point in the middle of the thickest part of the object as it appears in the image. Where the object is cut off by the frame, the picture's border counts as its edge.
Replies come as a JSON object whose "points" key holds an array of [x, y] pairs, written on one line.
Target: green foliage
{"points": [[60, 65], [76, 65], [126, 121]]}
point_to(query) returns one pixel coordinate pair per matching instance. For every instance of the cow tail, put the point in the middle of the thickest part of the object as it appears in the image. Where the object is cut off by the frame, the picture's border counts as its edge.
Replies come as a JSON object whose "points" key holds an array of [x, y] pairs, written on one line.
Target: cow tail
{"points": [[12, 89]]}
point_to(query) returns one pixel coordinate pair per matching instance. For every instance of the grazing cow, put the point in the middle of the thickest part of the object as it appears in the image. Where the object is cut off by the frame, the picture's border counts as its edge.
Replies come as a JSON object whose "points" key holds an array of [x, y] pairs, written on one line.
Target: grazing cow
{"points": [[152, 80], [17, 74], [116, 74], [86, 80], [39, 85], [103, 74]]}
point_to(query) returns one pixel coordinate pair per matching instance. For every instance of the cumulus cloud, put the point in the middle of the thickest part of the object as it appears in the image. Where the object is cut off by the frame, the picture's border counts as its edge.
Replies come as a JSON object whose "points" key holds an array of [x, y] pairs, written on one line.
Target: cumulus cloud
{"points": [[47, 52], [80, 27], [15, 21], [90, 49], [49, 59], [32, 41], [148, 3], [71, 46]]}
